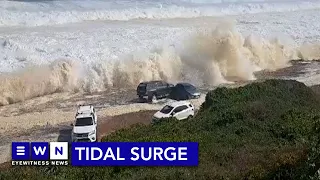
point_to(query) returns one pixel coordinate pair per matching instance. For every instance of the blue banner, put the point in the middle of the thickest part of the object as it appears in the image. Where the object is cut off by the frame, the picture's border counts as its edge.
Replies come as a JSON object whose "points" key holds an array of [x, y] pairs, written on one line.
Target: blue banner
{"points": [[134, 154]]}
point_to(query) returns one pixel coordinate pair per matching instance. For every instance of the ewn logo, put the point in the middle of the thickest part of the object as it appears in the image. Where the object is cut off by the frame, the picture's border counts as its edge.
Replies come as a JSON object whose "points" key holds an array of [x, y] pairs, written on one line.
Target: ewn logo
{"points": [[39, 153]]}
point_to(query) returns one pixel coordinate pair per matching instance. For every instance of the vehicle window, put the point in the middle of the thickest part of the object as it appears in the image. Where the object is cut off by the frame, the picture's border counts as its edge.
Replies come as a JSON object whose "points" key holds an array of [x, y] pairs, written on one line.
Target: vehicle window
{"points": [[179, 86], [180, 108], [159, 84], [164, 84], [151, 86], [166, 109], [84, 121], [190, 87], [142, 86]]}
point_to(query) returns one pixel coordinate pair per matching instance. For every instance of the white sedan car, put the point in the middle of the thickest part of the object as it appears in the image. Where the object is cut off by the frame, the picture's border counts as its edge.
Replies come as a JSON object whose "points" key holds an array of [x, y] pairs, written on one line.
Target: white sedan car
{"points": [[179, 109]]}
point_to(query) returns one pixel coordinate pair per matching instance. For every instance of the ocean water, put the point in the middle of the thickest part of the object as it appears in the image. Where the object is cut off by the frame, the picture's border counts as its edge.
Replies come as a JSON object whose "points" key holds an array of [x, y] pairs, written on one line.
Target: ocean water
{"points": [[91, 45], [47, 12]]}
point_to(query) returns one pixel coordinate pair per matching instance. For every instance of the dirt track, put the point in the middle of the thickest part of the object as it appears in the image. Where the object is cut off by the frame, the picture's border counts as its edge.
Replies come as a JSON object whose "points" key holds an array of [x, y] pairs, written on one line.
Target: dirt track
{"points": [[107, 125], [123, 121]]}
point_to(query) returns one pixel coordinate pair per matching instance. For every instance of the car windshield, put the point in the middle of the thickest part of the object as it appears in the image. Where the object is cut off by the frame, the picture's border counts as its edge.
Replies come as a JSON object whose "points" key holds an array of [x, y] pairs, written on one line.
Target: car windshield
{"points": [[166, 110], [190, 88], [84, 121]]}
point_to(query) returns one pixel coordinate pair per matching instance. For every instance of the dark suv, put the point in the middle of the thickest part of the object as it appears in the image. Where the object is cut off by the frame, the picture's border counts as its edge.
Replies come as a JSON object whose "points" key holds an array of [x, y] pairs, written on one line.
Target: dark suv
{"points": [[153, 90]]}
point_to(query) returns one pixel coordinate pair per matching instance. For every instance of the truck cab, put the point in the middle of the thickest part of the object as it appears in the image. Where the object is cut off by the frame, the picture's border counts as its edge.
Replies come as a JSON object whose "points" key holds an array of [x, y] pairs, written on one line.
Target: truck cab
{"points": [[85, 125]]}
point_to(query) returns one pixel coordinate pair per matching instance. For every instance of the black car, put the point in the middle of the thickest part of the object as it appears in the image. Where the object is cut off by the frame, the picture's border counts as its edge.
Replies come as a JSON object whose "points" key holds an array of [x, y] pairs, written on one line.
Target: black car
{"points": [[153, 90], [184, 91]]}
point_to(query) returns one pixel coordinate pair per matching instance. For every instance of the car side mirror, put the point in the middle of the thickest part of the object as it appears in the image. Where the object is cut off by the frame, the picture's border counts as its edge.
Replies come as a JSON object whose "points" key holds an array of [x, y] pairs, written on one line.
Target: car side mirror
{"points": [[173, 113], [71, 124]]}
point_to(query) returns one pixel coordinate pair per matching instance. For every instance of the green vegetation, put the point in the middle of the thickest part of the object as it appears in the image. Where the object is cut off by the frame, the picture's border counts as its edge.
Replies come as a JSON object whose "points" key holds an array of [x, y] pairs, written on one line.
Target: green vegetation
{"points": [[268, 130]]}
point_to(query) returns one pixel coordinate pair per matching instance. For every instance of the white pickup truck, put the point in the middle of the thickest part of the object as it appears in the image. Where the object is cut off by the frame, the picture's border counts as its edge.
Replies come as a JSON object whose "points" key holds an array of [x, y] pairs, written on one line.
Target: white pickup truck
{"points": [[85, 126]]}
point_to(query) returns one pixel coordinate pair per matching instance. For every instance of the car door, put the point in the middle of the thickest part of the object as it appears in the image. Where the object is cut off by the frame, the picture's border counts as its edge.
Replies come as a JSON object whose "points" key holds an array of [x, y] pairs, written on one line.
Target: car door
{"points": [[173, 93], [151, 89], [179, 92], [180, 112], [166, 89], [161, 89]]}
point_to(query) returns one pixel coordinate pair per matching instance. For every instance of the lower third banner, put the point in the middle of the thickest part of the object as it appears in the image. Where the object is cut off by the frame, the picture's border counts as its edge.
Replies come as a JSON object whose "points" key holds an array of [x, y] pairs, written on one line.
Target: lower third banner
{"points": [[135, 154]]}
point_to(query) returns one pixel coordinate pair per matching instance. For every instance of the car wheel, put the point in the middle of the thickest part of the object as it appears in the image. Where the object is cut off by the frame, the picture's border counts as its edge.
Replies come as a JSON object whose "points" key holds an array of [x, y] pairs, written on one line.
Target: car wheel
{"points": [[153, 99], [190, 116]]}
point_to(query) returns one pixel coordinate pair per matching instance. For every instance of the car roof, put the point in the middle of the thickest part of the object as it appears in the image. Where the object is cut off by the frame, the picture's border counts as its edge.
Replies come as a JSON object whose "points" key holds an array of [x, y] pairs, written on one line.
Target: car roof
{"points": [[179, 103], [185, 84], [151, 82]]}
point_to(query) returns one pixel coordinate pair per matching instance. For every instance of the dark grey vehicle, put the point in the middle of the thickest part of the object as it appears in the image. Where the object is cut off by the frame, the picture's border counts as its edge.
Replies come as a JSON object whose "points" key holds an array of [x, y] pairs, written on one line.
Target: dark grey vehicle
{"points": [[184, 91], [154, 90]]}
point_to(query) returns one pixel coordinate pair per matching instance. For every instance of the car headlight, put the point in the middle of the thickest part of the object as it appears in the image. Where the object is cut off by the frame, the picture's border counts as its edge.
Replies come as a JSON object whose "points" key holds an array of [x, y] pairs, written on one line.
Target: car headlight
{"points": [[154, 118], [92, 132], [196, 95]]}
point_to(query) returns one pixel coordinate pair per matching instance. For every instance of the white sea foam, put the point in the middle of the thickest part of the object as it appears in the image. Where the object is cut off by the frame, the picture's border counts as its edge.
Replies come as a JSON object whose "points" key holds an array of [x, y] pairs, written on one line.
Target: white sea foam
{"points": [[38, 13], [210, 58]]}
